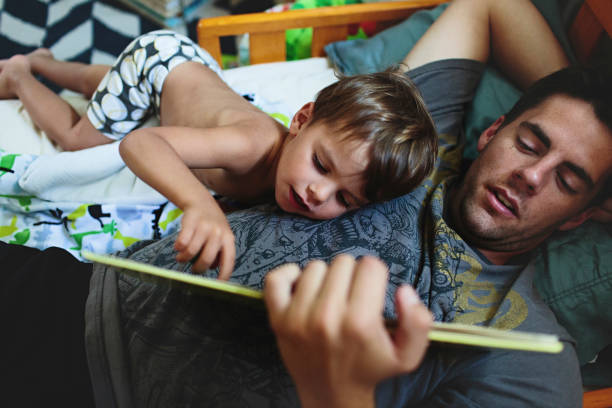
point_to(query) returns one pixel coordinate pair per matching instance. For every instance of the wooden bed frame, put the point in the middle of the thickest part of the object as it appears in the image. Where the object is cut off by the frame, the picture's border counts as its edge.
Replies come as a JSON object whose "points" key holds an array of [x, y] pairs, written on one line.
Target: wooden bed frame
{"points": [[267, 44], [267, 30], [329, 24]]}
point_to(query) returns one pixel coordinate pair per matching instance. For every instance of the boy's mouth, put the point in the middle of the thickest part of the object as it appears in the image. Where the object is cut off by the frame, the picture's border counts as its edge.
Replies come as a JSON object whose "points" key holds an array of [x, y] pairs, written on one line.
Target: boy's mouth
{"points": [[298, 200]]}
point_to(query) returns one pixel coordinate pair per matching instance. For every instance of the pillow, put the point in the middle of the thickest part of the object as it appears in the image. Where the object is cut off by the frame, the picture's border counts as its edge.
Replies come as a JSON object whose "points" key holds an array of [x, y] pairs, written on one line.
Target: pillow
{"points": [[575, 279], [574, 268]]}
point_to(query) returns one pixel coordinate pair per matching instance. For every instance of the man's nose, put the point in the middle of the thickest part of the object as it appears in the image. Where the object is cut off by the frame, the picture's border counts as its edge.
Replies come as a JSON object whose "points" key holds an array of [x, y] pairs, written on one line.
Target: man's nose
{"points": [[531, 178], [319, 192]]}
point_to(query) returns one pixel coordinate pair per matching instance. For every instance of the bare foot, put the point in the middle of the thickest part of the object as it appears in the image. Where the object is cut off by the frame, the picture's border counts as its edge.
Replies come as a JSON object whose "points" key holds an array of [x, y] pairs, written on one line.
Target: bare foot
{"points": [[40, 52], [12, 69], [32, 56]]}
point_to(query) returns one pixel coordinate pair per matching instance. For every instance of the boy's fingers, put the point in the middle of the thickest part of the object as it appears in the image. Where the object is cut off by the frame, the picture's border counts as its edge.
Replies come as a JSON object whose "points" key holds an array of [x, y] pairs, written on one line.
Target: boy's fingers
{"points": [[228, 257], [183, 238], [209, 253], [193, 250], [278, 289]]}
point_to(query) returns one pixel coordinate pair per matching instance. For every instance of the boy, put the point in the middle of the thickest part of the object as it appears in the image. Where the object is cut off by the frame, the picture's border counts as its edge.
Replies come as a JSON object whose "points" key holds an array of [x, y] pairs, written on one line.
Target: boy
{"points": [[364, 139]]}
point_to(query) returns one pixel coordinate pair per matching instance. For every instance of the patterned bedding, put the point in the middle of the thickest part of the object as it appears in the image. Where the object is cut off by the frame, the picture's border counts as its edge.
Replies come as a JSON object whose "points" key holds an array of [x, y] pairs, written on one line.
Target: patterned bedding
{"points": [[27, 219]]}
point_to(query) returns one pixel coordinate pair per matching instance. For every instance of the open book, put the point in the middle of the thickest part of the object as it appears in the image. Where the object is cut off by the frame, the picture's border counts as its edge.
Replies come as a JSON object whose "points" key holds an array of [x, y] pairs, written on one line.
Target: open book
{"points": [[440, 332]]}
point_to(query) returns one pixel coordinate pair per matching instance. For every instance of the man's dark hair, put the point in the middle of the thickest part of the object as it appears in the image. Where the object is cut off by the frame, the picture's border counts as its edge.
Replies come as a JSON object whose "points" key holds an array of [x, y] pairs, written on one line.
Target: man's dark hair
{"points": [[592, 85]]}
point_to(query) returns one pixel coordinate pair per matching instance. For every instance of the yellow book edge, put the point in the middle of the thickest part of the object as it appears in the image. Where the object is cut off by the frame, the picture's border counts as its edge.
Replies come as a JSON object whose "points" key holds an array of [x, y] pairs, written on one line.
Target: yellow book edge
{"points": [[440, 332]]}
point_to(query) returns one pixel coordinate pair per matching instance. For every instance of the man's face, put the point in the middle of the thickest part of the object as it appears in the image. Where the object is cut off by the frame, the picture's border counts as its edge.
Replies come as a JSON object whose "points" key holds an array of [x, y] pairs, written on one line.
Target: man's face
{"points": [[533, 176], [319, 175]]}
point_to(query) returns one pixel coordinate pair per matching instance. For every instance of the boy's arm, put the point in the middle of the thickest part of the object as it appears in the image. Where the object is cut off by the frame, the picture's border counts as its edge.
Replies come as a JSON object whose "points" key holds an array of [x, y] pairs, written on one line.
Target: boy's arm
{"points": [[162, 157], [512, 32]]}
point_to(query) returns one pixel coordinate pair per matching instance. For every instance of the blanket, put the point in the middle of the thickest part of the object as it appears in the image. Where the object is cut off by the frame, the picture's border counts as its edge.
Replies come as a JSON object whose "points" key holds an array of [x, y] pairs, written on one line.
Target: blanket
{"points": [[74, 200], [28, 219]]}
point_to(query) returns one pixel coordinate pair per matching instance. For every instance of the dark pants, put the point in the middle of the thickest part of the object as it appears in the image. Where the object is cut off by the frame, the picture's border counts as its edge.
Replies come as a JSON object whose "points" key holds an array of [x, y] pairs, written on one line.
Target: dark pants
{"points": [[42, 344]]}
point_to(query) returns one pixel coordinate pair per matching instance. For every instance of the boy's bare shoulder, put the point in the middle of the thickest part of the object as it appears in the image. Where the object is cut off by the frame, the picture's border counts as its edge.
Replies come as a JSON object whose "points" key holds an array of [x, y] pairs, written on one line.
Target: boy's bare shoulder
{"points": [[253, 144], [260, 138]]}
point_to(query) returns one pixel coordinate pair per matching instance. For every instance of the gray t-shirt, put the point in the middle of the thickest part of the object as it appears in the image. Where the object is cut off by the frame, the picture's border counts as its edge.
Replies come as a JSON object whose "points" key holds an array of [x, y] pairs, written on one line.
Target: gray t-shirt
{"points": [[156, 345]]}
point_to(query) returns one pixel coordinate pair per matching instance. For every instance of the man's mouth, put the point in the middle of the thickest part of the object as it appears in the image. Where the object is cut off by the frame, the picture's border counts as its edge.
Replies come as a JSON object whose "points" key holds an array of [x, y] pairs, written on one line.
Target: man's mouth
{"points": [[505, 201], [298, 200]]}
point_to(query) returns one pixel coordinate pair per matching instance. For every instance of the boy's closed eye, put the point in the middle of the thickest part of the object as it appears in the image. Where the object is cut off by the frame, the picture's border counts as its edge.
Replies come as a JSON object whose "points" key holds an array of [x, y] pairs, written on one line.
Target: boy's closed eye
{"points": [[343, 201], [318, 165]]}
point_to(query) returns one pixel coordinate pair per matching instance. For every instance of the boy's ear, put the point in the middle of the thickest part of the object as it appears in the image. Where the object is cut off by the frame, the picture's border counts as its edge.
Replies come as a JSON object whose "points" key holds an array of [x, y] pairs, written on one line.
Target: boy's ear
{"points": [[487, 135], [301, 118]]}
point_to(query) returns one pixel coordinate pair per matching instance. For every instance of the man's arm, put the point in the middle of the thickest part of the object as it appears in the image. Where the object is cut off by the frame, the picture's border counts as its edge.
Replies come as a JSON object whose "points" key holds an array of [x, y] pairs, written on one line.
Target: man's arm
{"points": [[331, 333], [511, 32]]}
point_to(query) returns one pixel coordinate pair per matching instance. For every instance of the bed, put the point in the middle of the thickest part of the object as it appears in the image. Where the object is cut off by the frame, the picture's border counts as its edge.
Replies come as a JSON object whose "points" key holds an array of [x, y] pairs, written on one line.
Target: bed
{"points": [[61, 199]]}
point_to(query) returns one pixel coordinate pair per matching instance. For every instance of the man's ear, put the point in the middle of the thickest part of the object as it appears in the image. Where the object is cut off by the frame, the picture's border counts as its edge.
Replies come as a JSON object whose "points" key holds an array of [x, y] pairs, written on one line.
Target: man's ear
{"points": [[487, 135], [301, 118], [579, 219]]}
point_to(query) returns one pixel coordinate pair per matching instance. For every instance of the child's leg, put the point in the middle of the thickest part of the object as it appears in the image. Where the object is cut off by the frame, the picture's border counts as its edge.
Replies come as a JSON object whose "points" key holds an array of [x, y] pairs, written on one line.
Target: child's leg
{"points": [[76, 76], [49, 112]]}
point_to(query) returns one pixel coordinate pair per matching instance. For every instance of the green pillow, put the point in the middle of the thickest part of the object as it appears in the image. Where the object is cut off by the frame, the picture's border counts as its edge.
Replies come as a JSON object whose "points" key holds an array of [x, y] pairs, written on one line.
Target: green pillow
{"points": [[574, 268], [575, 279]]}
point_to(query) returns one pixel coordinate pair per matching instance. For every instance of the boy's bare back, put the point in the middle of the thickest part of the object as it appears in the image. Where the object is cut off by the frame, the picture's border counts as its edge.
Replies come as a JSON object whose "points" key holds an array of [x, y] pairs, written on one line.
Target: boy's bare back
{"points": [[194, 96]]}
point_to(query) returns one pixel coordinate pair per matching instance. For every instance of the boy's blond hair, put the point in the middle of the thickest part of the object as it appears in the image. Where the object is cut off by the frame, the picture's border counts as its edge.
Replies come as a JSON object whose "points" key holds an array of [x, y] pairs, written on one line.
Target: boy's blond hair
{"points": [[386, 110]]}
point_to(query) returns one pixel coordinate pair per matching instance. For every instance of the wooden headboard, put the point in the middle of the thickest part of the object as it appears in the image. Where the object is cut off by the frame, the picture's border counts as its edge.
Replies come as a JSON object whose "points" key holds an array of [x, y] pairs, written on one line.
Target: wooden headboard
{"points": [[267, 30], [594, 20]]}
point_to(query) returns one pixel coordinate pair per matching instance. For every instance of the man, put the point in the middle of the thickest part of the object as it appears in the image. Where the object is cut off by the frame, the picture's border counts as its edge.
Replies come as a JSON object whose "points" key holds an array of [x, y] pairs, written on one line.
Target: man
{"points": [[545, 166], [461, 244]]}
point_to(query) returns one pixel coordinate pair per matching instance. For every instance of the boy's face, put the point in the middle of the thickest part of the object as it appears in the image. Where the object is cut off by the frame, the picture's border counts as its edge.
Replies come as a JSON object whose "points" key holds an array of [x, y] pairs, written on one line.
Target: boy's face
{"points": [[319, 176], [536, 175]]}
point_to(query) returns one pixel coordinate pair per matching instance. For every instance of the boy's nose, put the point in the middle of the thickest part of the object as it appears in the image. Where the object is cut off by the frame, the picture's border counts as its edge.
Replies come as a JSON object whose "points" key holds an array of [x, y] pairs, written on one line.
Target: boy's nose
{"points": [[319, 193]]}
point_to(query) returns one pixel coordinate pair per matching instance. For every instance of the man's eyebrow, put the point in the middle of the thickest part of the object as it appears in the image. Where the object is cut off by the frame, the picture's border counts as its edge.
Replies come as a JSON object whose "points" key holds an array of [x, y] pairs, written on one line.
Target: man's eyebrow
{"points": [[538, 132], [581, 173]]}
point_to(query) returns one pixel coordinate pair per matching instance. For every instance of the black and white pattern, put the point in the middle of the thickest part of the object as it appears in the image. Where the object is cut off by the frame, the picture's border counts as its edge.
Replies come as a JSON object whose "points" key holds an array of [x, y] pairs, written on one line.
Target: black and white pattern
{"points": [[131, 91], [74, 30]]}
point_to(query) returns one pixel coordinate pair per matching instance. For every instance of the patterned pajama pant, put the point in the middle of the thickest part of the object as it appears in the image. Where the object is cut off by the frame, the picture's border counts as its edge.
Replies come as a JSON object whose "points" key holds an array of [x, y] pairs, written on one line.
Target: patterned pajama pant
{"points": [[131, 91]]}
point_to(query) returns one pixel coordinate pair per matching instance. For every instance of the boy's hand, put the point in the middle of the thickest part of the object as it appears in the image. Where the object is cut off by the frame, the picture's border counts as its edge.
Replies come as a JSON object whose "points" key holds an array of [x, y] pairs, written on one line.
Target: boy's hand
{"points": [[205, 234], [331, 333]]}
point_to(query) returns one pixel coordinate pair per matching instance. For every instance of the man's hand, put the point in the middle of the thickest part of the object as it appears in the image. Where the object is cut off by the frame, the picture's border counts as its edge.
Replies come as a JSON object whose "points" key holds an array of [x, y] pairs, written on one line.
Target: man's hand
{"points": [[205, 234], [331, 333]]}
